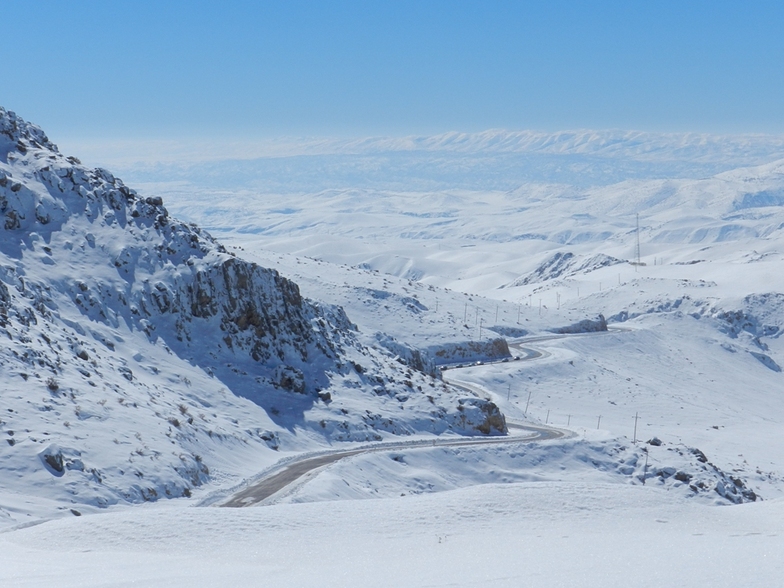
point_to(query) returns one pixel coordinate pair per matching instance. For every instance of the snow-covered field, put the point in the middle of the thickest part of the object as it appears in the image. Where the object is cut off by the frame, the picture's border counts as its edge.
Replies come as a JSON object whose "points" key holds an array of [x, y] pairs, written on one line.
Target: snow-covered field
{"points": [[430, 244], [588, 533]]}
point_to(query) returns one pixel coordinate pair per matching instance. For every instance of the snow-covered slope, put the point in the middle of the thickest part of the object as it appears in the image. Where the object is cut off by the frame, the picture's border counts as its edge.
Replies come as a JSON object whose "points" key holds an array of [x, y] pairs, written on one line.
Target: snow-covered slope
{"points": [[537, 533], [432, 245], [142, 358], [435, 259]]}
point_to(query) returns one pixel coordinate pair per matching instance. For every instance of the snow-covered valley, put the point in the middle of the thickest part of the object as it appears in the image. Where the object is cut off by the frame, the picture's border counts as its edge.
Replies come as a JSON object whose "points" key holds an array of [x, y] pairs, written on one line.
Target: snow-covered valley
{"points": [[390, 264], [143, 359]]}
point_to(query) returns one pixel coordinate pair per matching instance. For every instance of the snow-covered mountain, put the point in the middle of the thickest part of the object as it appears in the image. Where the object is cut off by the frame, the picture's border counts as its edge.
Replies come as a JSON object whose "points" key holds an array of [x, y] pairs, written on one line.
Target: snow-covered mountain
{"points": [[436, 248], [697, 347], [492, 159], [142, 358], [477, 240]]}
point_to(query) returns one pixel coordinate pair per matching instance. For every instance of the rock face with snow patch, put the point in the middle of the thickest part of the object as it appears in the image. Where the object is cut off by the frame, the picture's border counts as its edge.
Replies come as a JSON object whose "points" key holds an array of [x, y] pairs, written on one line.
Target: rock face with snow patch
{"points": [[150, 272], [584, 326], [564, 264], [488, 350]]}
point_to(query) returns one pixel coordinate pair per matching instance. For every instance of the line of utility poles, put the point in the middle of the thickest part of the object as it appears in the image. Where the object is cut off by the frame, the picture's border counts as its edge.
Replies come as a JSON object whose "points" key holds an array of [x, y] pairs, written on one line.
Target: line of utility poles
{"points": [[636, 417]]}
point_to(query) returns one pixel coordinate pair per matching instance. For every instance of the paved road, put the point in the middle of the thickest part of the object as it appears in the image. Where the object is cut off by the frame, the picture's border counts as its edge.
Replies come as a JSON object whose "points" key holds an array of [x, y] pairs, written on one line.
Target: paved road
{"points": [[295, 470], [275, 482]]}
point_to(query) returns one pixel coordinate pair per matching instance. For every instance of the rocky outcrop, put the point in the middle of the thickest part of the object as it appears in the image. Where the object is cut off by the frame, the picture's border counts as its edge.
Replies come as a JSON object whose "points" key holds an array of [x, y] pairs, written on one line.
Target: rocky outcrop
{"points": [[489, 350], [165, 273], [139, 355], [78, 239], [584, 326], [564, 264]]}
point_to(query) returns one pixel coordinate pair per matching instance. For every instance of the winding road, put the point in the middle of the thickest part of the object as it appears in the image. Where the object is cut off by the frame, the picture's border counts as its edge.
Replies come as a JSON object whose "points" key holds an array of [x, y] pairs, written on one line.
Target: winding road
{"points": [[294, 471]]}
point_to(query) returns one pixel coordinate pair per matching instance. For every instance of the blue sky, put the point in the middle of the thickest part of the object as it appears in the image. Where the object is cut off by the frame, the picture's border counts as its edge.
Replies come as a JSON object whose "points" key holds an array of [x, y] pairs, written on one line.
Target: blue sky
{"points": [[264, 69]]}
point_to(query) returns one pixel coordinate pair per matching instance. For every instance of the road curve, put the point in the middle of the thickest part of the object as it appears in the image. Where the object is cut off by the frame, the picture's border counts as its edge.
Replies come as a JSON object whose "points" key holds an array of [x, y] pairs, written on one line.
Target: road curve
{"points": [[295, 470]]}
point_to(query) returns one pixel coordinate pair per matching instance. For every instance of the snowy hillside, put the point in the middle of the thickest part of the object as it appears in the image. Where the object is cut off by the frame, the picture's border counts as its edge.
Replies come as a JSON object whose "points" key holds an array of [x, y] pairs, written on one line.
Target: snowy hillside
{"points": [[699, 357], [143, 359]]}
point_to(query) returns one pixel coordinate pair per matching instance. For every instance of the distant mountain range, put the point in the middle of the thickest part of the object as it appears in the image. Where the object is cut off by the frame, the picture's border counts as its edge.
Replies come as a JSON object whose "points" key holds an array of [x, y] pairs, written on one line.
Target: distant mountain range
{"points": [[493, 159]]}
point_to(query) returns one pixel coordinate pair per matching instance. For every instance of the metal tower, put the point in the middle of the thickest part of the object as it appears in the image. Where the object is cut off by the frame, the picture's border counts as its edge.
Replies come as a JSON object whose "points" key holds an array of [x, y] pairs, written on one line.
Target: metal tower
{"points": [[638, 239]]}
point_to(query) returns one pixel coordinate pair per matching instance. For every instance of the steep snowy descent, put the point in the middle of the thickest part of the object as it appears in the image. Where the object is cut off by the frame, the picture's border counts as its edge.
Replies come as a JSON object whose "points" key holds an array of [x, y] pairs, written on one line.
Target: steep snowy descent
{"points": [[139, 351]]}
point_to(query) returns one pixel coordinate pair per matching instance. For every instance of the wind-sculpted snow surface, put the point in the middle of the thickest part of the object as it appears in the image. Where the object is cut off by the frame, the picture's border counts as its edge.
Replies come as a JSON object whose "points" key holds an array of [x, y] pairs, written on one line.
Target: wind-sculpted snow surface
{"points": [[134, 342]]}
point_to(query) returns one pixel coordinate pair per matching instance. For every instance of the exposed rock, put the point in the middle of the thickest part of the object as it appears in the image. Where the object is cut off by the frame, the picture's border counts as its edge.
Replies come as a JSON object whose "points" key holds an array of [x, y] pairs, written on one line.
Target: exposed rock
{"points": [[110, 309], [564, 264], [489, 350], [584, 326]]}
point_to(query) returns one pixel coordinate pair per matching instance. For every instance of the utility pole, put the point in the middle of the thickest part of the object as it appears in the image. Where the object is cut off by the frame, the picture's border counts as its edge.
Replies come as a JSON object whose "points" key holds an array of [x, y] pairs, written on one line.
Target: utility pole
{"points": [[496, 314], [480, 327], [547, 418], [638, 239], [509, 393], [518, 314], [636, 418], [645, 471], [465, 314], [527, 402], [637, 251], [599, 422], [540, 307], [569, 420], [558, 297]]}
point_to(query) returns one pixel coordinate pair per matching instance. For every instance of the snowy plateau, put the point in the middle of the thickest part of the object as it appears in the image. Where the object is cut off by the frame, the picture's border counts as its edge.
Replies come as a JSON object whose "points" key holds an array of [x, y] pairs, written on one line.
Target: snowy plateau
{"points": [[509, 359]]}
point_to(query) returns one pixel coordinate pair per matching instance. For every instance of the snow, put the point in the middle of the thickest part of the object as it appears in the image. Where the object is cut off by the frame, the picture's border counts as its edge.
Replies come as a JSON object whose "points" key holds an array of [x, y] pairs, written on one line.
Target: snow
{"points": [[532, 534], [429, 244], [143, 360]]}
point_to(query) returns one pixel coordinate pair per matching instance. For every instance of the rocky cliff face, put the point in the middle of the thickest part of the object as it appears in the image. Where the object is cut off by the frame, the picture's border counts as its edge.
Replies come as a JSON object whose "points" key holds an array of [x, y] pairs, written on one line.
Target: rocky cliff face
{"points": [[106, 303], [148, 271]]}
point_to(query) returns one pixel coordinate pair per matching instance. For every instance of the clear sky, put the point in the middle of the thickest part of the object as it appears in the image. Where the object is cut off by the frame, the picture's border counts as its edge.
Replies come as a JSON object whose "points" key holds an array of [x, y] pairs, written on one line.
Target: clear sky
{"points": [[298, 68]]}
